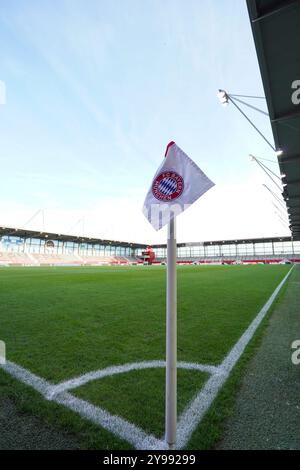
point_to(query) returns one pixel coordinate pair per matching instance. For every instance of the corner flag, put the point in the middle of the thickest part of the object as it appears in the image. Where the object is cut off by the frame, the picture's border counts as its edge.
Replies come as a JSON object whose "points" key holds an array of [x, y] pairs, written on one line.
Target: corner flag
{"points": [[177, 184]]}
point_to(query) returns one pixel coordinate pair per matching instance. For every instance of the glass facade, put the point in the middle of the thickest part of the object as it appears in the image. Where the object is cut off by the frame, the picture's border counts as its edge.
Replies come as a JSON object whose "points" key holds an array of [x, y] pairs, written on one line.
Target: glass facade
{"points": [[251, 249], [14, 244], [239, 250]]}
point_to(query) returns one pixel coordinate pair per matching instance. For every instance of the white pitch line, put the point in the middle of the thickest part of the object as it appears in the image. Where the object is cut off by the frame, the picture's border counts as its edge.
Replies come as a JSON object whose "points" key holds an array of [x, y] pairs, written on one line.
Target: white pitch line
{"points": [[113, 370], [112, 423], [118, 426], [27, 377], [195, 411]]}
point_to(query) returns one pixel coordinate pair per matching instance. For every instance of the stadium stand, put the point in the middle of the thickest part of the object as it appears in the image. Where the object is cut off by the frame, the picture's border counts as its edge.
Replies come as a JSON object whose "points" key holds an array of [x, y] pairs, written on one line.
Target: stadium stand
{"points": [[33, 248], [11, 258], [55, 259]]}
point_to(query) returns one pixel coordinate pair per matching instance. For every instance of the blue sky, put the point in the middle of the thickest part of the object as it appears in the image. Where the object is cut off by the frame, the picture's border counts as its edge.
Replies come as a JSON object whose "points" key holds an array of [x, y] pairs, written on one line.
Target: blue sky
{"points": [[94, 92]]}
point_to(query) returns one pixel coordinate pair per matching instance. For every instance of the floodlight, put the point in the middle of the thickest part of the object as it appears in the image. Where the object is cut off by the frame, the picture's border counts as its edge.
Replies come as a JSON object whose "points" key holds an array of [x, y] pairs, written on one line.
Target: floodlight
{"points": [[223, 97]]}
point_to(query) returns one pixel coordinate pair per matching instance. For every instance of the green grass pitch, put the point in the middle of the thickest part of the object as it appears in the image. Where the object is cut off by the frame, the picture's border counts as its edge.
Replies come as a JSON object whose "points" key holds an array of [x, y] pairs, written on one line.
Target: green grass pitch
{"points": [[63, 322]]}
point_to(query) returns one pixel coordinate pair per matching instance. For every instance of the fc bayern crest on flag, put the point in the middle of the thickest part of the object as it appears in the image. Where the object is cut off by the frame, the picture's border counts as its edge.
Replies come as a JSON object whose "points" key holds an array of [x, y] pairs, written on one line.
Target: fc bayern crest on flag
{"points": [[167, 186], [176, 185]]}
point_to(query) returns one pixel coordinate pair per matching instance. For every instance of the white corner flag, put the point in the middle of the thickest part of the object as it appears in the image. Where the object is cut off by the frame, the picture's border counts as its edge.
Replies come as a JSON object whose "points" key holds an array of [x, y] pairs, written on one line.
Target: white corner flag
{"points": [[177, 184]]}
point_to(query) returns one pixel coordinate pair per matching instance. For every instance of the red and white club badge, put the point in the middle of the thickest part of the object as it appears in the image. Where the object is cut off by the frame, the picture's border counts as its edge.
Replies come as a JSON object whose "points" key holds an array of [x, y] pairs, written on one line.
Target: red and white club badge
{"points": [[167, 186]]}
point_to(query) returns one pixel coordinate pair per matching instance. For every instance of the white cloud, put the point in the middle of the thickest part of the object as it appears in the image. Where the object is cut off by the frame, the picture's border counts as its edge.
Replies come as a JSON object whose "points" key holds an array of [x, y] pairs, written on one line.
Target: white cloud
{"points": [[228, 211]]}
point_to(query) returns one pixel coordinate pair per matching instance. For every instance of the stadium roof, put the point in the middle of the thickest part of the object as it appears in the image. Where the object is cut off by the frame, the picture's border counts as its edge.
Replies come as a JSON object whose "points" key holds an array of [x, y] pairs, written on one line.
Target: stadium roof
{"points": [[276, 31], [230, 242], [24, 233]]}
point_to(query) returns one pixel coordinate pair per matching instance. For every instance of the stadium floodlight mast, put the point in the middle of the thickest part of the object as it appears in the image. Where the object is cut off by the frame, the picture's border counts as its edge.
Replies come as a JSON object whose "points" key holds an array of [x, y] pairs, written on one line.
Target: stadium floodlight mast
{"points": [[267, 170], [277, 198], [81, 221], [226, 98], [40, 211]]}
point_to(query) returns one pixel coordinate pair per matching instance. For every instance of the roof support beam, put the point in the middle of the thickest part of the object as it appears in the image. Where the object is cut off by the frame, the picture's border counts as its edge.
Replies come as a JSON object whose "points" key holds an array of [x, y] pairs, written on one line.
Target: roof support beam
{"points": [[286, 117], [292, 183], [291, 219], [279, 9], [288, 159]]}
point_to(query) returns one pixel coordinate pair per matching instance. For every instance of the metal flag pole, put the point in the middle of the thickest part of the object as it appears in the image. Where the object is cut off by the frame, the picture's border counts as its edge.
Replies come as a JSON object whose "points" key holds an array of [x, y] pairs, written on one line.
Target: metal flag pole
{"points": [[181, 182], [171, 338]]}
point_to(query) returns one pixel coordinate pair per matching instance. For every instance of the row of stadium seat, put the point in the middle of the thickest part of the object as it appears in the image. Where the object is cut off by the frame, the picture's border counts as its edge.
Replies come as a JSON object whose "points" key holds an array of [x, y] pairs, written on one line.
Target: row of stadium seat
{"points": [[50, 259]]}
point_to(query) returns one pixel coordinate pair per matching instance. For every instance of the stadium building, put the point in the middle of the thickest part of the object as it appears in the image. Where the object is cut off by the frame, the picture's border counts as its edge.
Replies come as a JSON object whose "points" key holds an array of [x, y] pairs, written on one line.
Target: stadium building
{"points": [[34, 248]]}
